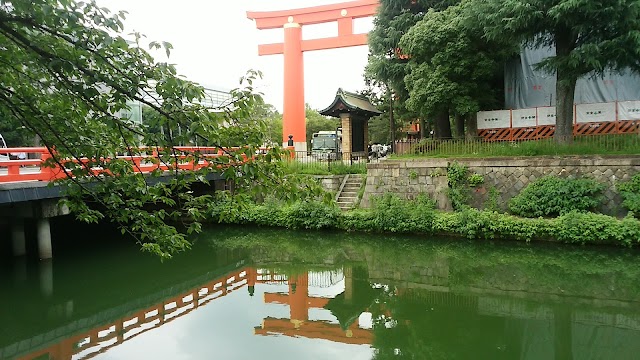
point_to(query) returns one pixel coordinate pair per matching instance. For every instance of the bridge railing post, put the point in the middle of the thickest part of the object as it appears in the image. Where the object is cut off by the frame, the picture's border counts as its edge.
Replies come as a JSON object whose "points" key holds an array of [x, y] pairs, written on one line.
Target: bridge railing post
{"points": [[51, 172]]}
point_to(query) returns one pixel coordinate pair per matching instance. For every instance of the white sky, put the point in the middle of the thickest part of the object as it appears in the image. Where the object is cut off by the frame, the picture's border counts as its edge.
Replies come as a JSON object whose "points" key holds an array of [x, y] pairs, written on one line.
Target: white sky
{"points": [[215, 44]]}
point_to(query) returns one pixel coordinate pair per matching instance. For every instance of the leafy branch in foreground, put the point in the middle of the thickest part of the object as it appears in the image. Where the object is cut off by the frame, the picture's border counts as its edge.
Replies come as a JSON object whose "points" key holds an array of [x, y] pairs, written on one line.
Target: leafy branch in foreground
{"points": [[68, 75]]}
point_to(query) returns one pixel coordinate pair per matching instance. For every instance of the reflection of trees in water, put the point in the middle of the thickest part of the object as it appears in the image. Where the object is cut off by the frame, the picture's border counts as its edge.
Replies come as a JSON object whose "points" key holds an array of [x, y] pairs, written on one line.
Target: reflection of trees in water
{"points": [[440, 299], [544, 269]]}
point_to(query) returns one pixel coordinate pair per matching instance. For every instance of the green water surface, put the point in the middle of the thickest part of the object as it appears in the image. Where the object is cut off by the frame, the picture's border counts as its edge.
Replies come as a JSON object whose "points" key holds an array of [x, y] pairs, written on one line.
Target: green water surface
{"points": [[249, 293]]}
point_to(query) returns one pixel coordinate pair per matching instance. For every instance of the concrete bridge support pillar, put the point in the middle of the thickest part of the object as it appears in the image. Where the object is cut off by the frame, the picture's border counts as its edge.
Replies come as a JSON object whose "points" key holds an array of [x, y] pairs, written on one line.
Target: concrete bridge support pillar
{"points": [[18, 238], [45, 249], [46, 277]]}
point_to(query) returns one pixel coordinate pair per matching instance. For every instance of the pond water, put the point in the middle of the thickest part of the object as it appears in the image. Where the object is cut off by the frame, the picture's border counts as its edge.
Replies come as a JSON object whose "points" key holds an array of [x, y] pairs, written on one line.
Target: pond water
{"points": [[245, 293]]}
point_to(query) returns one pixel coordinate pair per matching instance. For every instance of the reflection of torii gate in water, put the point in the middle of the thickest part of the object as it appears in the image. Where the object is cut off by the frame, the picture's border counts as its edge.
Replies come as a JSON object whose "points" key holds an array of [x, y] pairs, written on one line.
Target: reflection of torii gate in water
{"points": [[300, 302], [88, 343], [293, 47]]}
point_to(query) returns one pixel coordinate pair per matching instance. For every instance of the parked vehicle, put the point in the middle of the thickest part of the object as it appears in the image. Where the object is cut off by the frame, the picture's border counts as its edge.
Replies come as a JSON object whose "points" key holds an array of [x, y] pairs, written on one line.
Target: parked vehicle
{"points": [[326, 144]]}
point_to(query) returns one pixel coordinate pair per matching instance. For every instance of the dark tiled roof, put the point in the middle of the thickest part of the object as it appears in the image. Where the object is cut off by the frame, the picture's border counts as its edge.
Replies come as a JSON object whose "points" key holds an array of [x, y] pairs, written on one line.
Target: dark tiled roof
{"points": [[348, 102]]}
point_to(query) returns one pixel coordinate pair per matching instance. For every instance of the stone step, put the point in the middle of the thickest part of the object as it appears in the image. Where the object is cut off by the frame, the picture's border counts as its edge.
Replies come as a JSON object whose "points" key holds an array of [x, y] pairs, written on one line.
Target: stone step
{"points": [[347, 200], [349, 194], [343, 204]]}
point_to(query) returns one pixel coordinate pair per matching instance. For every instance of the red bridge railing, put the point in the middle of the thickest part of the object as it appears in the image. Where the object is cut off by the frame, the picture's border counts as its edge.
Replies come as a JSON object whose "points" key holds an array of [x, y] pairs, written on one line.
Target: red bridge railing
{"points": [[28, 163]]}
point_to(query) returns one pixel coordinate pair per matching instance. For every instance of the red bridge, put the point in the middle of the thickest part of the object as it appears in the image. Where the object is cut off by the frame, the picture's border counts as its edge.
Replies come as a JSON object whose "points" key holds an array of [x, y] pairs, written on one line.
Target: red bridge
{"points": [[25, 174], [30, 165]]}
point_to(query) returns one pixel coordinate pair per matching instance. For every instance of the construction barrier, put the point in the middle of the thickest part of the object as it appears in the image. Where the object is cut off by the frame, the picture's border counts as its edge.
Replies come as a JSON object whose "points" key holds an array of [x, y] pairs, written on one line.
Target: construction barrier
{"points": [[621, 117]]}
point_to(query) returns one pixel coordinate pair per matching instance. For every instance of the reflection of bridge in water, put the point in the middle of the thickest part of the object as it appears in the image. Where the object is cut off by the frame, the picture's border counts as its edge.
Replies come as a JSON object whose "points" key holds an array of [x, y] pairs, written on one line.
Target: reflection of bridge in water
{"points": [[85, 344]]}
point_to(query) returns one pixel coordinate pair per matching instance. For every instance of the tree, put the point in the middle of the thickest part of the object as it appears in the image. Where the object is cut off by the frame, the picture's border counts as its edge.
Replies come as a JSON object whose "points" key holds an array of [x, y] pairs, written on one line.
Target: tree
{"points": [[590, 37], [14, 134], [67, 72], [452, 66], [388, 64], [273, 120], [317, 122]]}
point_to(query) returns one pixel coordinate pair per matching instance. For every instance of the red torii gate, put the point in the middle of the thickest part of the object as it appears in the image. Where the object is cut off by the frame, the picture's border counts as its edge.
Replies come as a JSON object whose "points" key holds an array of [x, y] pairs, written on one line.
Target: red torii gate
{"points": [[293, 47]]}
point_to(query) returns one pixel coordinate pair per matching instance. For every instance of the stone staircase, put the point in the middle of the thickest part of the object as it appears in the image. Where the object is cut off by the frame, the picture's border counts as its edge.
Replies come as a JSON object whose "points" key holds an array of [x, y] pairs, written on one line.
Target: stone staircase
{"points": [[347, 195]]}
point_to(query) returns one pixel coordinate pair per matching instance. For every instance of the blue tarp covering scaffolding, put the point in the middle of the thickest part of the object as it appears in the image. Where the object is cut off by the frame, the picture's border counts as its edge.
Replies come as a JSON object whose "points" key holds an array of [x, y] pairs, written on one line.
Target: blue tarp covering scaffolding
{"points": [[526, 87]]}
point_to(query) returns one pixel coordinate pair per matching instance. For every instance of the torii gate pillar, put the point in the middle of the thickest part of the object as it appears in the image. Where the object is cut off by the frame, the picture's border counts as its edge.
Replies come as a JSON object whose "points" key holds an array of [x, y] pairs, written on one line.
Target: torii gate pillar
{"points": [[293, 119], [293, 47]]}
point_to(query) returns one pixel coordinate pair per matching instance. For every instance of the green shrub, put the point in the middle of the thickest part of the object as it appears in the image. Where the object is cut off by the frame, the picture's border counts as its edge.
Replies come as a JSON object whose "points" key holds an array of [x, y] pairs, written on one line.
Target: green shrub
{"points": [[357, 220], [229, 209], [584, 228], [268, 214], [630, 192], [475, 180], [458, 191], [551, 196], [311, 214], [390, 213], [483, 224]]}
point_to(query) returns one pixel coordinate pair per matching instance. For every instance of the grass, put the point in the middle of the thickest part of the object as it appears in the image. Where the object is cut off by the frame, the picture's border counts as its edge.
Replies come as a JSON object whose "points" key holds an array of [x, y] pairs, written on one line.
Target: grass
{"points": [[324, 168], [624, 144]]}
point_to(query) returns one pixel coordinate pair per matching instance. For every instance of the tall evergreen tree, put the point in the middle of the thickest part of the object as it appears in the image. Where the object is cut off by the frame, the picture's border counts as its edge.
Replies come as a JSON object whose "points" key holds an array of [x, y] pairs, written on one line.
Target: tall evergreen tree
{"points": [[453, 67], [388, 64]]}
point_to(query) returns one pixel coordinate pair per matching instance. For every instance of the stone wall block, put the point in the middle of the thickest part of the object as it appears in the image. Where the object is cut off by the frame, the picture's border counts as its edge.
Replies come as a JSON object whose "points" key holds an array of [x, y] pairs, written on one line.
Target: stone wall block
{"points": [[517, 172]]}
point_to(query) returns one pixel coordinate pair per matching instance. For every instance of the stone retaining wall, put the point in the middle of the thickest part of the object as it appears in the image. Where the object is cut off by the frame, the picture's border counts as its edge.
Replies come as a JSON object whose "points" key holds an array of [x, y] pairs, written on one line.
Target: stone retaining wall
{"points": [[330, 183], [505, 177]]}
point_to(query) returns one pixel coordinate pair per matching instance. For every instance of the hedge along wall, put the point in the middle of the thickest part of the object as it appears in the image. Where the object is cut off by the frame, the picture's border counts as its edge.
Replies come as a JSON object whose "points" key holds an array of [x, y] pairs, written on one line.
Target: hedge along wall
{"points": [[506, 176]]}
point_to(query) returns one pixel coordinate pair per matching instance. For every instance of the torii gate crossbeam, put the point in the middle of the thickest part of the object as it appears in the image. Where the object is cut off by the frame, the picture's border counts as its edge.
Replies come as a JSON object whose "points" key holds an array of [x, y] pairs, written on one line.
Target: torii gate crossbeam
{"points": [[293, 47]]}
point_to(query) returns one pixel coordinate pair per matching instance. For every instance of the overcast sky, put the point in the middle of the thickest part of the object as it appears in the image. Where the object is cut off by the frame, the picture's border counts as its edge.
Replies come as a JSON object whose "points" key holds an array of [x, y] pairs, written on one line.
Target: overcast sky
{"points": [[215, 44]]}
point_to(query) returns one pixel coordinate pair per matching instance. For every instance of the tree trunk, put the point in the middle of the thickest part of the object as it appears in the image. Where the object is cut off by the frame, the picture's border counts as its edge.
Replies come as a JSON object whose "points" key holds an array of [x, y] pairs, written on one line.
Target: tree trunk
{"points": [[472, 126], [423, 127], [442, 125], [565, 88], [392, 123], [459, 120]]}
